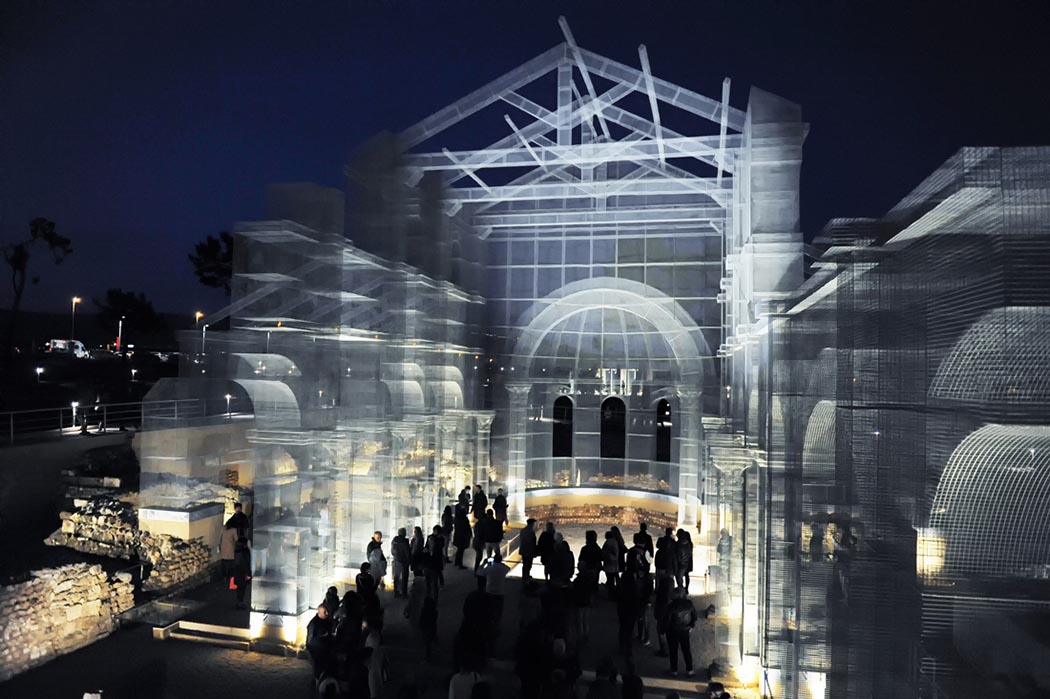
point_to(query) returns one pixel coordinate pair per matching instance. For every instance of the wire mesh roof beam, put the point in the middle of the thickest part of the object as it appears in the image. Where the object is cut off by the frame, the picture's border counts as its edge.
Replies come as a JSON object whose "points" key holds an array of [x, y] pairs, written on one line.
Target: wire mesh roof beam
{"points": [[575, 50], [703, 148], [611, 216], [669, 93], [647, 167], [466, 170], [532, 109], [564, 103], [648, 129], [643, 57], [483, 96], [600, 188], [538, 127], [722, 128], [587, 112]]}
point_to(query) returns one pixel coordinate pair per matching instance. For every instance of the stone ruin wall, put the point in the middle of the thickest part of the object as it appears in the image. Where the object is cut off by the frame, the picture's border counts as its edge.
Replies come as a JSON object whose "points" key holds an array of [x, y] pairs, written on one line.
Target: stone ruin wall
{"points": [[57, 611], [108, 527]]}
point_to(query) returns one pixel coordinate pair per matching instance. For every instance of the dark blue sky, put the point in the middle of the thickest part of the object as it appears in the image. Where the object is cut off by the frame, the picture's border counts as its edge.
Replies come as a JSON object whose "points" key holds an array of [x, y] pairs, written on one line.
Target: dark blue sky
{"points": [[140, 127]]}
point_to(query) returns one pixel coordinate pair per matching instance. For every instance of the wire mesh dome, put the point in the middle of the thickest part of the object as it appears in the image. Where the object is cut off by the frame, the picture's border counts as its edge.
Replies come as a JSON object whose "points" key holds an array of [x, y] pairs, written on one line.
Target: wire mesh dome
{"points": [[593, 338], [1003, 357], [992, 506]]}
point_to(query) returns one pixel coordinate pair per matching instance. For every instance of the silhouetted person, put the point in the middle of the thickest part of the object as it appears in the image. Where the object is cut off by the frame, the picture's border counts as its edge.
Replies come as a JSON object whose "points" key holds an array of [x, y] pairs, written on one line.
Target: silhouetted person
{"points": [[717, 690], [238, 519], [590, 563], [366, 586], [447, 524], [611, 562], [242, 569], [480, 503], [638, 576], [545, 548], [725, 551], [499, 507], [643, 529], [320, 642], [666, 565], [331, 601], [401, 553], [479, 540], [434, 562], [531, 659], [377, 560], [227, 550], [461, 534], [680, 620], [527, 550], [816, 543], [493, 534], [563, 562], [417, 545], [623, 547], [495, 577], [684, 551]]}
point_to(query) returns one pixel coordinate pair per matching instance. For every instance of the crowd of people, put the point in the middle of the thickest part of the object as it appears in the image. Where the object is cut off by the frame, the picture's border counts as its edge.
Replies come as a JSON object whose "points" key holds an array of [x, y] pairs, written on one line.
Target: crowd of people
{"points": [[648, 584]]}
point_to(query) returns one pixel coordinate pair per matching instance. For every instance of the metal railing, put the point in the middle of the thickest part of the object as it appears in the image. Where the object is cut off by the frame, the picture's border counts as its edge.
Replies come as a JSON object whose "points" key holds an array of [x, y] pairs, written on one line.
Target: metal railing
{"points": [[50, 423]]}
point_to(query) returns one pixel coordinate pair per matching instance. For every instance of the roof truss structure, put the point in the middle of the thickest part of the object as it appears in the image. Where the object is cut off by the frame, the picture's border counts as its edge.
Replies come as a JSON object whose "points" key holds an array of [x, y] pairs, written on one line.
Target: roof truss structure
{"points": [[588, 156]]}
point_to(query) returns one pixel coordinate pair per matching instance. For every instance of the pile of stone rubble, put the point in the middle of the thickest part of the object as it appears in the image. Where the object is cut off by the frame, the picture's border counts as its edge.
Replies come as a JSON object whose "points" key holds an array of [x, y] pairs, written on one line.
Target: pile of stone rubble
{"points": [[56, 611], [108, 527]]}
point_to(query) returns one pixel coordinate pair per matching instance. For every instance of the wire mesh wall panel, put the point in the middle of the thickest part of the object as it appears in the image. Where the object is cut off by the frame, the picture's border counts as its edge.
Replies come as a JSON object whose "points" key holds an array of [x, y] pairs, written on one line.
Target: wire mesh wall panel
{"points": [[915, 377]]}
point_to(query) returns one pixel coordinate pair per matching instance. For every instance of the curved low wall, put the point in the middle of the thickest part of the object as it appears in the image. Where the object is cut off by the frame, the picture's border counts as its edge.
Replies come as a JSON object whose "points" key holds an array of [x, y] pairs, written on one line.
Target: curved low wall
{"points": [[602, 506]]}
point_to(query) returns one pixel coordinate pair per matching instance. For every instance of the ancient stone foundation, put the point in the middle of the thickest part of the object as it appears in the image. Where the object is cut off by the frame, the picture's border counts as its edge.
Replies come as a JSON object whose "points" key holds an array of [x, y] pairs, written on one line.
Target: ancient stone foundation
{"points": [[58, 611], [108, 527]]}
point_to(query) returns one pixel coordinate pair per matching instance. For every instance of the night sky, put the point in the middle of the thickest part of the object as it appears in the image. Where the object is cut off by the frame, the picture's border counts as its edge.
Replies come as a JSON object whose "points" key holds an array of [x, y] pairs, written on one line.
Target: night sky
{"points": [[140, 127]]}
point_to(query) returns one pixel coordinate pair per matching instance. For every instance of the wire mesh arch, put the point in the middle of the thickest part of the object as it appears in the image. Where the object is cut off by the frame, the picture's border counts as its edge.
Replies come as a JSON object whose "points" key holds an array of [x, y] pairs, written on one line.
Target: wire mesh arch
{"points": [[992, 505], [1003, 357]]}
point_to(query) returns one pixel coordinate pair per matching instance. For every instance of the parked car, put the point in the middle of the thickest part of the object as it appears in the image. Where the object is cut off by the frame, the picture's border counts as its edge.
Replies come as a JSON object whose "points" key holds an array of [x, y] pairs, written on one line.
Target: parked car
{"points": [[74, 347]]}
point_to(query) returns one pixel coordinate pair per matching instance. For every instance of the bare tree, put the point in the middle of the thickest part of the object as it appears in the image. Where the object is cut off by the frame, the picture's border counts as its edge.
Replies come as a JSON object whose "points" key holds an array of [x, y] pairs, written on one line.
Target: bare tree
{"points": [[17, 256]]}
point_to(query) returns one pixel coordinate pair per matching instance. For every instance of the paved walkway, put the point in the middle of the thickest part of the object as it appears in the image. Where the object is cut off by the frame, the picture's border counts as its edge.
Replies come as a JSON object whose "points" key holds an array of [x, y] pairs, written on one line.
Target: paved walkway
{"points": [[131, 664]]}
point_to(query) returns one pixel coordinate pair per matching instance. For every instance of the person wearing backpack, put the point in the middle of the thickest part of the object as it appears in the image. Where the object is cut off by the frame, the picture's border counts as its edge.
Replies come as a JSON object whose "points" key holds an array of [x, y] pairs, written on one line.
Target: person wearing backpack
{"points": [[680, 618]]}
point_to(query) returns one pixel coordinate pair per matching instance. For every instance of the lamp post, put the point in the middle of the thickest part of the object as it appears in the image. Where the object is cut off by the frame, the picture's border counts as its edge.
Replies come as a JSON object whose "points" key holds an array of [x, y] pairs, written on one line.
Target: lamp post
{"points": [[39, 371], [120, 335], [197, 318], [75, 405], [73, 319], [133, 372], [229, 415]]}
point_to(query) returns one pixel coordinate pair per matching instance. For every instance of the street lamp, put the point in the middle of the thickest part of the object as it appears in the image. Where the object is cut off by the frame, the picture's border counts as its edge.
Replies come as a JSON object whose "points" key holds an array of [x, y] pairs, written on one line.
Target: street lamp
{"points": [[73, 319], [75, 405], [229, 415], [120, 335], [133, 372], [39, 371], [197, 317]]}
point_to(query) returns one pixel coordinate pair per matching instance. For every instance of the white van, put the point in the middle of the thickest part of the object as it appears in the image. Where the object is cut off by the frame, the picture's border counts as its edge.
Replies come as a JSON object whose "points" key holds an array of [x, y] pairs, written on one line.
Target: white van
{"points": [[74, 347]]}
